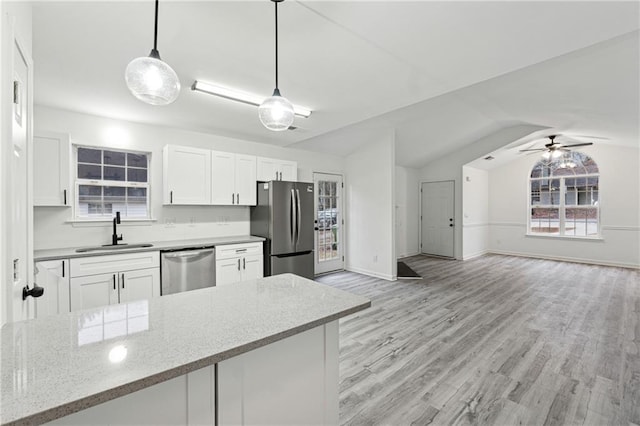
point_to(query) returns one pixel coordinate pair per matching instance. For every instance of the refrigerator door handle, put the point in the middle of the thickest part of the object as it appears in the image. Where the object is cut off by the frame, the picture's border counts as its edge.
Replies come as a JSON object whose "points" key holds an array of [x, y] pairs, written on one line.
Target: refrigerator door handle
{"points": [[293, 219], [298, 217]]}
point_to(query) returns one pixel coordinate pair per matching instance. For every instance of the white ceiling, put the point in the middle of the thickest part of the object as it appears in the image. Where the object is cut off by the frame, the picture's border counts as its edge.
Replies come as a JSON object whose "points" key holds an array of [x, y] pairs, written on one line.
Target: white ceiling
{"points": [[441, 74]]}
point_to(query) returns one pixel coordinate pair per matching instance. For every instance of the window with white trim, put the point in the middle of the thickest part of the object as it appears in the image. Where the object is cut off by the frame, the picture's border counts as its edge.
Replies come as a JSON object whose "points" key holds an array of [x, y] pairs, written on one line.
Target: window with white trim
{"points": [[110, 181], [564, 196]]}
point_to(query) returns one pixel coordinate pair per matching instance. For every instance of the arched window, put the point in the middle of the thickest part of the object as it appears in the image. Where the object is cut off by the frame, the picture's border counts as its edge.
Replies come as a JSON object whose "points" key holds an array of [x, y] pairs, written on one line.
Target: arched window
{"points": [[564, 198]]}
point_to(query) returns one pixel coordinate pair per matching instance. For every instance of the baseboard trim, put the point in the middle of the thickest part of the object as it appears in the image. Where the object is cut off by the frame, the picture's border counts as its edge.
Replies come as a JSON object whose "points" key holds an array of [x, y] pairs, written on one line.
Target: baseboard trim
{"points": [[403, 256], [474, 255], [567, 259], [371, 273]]}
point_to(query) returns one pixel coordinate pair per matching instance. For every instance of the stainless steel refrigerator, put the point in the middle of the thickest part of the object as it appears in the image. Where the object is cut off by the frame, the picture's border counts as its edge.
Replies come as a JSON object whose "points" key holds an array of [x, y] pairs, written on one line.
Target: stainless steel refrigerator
{"points": [[284, 216]]}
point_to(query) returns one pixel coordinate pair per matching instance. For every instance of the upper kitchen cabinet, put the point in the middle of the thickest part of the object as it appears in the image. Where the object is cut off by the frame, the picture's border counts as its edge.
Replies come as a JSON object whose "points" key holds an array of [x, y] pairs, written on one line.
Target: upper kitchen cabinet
{"points": [[233, 178], [269, 169], [51, 166], [186, 175]]}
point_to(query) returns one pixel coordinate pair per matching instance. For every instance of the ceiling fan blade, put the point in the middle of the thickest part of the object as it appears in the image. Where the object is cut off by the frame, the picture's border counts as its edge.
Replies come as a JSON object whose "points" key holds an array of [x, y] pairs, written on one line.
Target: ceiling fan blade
{"points": [[533, 149], [578, 144]]}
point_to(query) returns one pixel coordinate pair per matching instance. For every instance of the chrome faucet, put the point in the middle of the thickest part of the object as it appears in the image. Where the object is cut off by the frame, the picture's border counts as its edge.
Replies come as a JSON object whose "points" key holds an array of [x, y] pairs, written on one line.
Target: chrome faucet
{"points": [[115, 238]]}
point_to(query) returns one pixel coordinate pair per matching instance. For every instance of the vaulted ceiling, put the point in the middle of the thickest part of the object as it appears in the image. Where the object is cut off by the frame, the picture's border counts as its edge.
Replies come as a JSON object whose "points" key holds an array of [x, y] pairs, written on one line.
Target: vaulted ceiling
{"points": [[440, 74]]}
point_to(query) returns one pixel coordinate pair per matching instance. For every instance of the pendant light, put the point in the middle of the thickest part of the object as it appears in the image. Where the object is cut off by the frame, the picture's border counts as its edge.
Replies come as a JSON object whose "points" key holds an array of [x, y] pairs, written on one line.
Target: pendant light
{"points": [[150, 79], [276, 112]]}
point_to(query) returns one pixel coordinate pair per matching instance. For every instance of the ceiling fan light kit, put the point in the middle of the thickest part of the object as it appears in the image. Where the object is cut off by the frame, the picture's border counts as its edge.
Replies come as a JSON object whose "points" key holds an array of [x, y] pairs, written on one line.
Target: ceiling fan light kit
{"points": [[150, 79], [276, 113]]}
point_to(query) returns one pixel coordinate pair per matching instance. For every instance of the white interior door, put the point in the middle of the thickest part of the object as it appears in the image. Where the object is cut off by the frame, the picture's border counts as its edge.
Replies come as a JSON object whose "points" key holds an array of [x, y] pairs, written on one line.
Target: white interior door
{"points": [[438, 221], [20, 226], [329, 240]]}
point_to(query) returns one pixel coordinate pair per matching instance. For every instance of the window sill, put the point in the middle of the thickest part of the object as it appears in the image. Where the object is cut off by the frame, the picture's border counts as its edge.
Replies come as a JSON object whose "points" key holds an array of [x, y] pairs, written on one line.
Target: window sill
{"points": [[104, 221], [565, 237]]}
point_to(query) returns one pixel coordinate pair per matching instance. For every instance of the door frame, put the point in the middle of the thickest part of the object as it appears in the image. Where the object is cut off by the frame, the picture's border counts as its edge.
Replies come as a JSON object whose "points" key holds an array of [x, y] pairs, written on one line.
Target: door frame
{"points": [[453, 198], [342, 233]]}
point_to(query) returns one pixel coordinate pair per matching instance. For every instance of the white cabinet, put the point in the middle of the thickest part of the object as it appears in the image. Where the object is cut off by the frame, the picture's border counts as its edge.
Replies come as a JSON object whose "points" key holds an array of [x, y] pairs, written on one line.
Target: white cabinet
{"points": [[269, 169], [53, 276], [106, 280], [238, 262], [233, 179], [293, 381], [245, 179], [223, 185], [186, 175], [51, 169], [184, 400]]}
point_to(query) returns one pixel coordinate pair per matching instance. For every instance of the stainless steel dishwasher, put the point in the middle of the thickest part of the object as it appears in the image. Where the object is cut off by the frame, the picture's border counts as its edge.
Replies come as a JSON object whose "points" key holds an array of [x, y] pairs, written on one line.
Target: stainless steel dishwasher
{"points": [[187, 269]]}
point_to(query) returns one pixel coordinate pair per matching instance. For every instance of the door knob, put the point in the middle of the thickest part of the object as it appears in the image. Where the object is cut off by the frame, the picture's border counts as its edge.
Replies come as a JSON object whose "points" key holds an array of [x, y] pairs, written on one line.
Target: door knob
{"points": [[451, 225], [316, 228], [36, 291]]}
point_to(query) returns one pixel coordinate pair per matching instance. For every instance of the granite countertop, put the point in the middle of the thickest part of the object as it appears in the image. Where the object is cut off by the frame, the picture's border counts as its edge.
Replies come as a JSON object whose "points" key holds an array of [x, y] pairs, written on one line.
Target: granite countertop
{"points": [[54, 366], [68, 253]]}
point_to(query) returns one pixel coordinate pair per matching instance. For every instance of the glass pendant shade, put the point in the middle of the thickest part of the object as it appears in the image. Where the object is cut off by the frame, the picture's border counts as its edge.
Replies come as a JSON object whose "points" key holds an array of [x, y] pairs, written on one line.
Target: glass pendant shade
{"points": [[152, 81], [276, 113]]}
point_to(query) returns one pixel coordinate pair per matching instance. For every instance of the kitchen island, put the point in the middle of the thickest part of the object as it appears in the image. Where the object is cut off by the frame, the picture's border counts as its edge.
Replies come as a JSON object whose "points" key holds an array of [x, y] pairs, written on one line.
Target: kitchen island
{"points": [[233, 354]]}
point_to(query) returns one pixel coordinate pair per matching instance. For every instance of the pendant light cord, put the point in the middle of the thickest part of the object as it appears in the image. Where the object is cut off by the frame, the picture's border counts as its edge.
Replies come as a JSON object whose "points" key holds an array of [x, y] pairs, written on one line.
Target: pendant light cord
{"points": [[276, 3], [155, 30]]}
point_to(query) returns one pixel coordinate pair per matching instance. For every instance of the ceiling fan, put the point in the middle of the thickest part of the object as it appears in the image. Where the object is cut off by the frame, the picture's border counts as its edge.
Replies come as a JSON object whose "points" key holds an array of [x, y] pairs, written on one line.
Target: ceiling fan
{"points": [[554, 149]]}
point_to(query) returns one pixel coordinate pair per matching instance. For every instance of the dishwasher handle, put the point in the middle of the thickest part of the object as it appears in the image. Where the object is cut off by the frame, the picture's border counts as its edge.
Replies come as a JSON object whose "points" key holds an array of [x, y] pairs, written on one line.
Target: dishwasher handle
{"points": [[188, 254]]}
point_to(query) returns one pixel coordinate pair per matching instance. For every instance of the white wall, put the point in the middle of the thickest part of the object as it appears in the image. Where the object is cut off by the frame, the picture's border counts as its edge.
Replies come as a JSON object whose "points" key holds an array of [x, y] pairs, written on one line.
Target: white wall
{"points": [[407, 211], [14, 16], [370, 209], [619, 211], [475, 212], [449, 167], [52, 229]]}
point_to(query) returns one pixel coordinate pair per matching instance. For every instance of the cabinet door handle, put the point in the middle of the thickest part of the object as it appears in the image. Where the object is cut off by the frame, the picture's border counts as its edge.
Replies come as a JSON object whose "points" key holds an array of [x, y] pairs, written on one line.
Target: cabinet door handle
{"points": [[233, 198], [238, 264], [276, 175], [114, 281], [123, 281], [63, 269], [238, 198], [64, 194], [280, 175], [244, 263], [170, 197]]}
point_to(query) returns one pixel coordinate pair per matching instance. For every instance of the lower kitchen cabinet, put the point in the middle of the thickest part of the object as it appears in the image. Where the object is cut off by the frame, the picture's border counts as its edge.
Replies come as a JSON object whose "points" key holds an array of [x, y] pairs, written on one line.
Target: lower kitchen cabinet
{"points": [[238, 262], [117, 279], [53, 276], [119, 287], [293, 381], [183, 400]]}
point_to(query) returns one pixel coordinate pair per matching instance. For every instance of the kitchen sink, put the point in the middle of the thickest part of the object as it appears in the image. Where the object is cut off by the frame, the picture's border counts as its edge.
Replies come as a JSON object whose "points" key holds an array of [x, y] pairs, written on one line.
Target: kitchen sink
{"points": [[110, 247]]}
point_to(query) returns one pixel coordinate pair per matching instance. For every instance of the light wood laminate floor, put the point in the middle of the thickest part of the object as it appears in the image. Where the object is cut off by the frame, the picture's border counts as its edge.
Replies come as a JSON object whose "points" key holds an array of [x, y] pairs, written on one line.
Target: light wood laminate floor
{"points": [[493, 340]]}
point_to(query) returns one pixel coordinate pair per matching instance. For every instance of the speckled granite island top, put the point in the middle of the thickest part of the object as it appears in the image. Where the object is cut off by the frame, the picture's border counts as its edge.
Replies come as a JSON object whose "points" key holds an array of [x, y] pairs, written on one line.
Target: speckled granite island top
{"points": [[58, 365]]}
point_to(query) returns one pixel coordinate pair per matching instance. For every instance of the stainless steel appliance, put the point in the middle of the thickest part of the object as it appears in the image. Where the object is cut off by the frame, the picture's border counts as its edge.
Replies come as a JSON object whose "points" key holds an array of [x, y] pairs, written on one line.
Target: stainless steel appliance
{"points": [[284, 216], [184, 270]]}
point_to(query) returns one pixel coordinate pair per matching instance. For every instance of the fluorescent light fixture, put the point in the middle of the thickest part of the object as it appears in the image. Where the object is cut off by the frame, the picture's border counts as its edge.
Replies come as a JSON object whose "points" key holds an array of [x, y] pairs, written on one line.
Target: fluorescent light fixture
{"points": [[236, 95]]}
